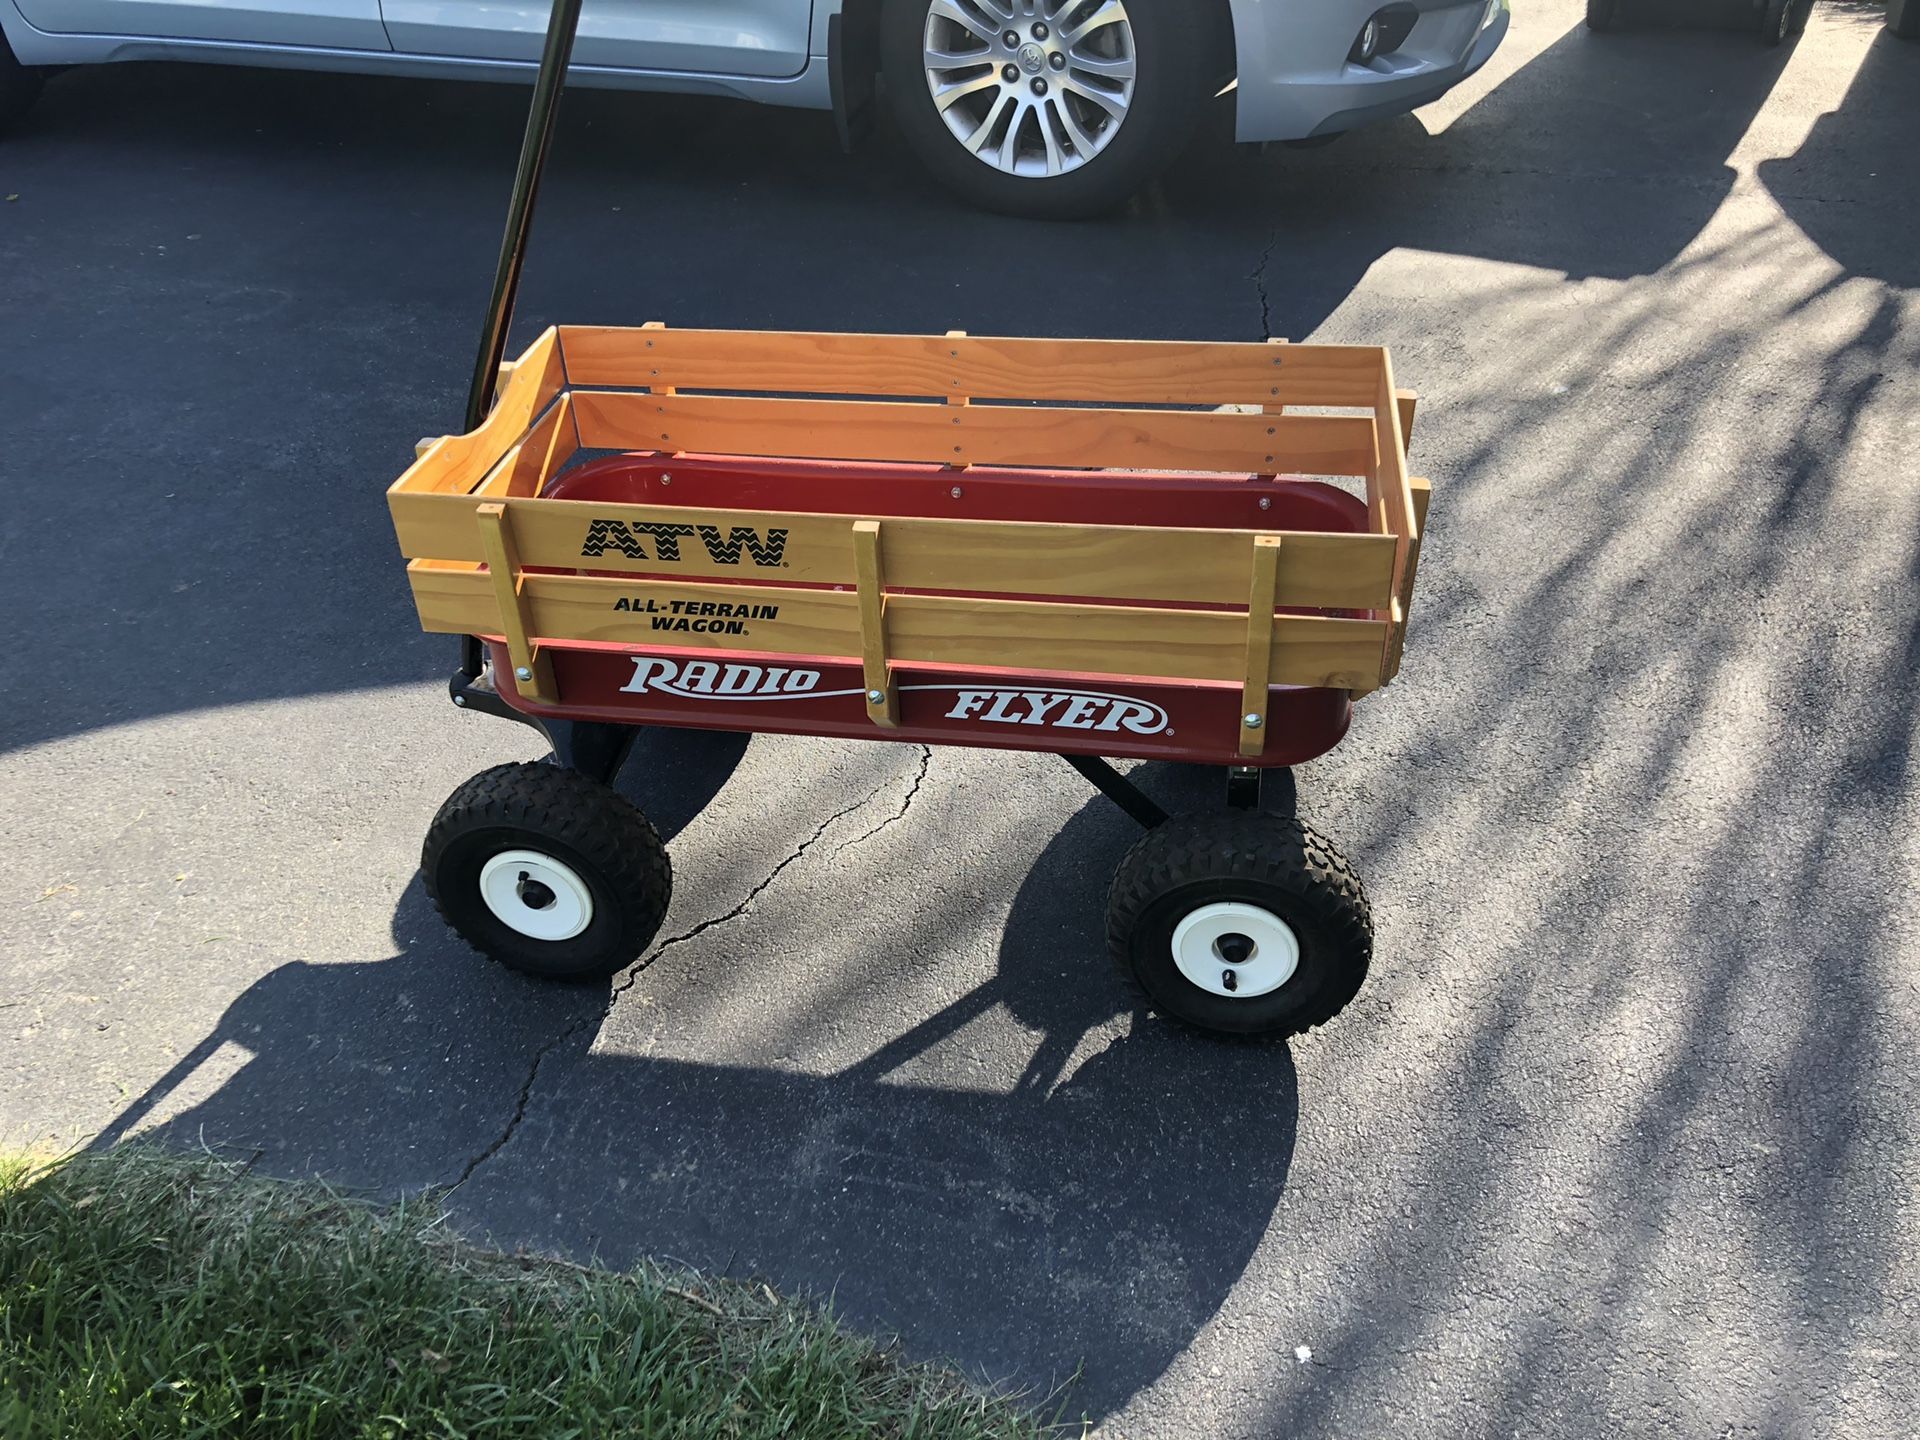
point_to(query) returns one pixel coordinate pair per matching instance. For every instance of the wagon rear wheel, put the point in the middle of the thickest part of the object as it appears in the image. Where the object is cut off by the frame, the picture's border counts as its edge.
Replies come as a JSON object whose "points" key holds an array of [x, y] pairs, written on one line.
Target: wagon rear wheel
{"points": [[1244, 924], [547, 872]]}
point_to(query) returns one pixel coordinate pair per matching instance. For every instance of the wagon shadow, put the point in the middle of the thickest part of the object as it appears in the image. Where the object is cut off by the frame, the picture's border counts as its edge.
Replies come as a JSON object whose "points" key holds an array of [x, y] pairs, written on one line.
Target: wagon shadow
{"points": [[1083, 1226]]}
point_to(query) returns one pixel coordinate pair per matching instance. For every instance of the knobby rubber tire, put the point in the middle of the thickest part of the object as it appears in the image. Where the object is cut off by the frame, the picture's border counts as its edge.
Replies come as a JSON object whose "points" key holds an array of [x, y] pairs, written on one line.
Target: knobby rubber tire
{"points": [[1267, 860], [1169, 91], [547, 808]]}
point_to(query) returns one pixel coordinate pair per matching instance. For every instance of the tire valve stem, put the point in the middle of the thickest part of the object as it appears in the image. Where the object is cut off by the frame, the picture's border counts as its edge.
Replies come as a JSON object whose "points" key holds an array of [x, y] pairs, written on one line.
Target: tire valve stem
{"points": [[1228, 980]]}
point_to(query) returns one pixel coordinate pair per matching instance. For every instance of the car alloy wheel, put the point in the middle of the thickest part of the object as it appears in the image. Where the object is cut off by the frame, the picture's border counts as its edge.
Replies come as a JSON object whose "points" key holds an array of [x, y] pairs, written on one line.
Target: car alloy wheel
{"points": [[1031, 87]]}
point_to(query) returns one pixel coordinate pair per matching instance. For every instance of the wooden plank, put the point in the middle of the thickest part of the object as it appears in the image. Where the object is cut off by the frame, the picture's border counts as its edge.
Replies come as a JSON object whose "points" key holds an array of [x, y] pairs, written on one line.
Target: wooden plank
{"points": [[976, 434], [1396, 501], [882, 701], [1259, 663], [1408, 403], [1316, 570], [1422, 493], [532, 669], [457, 463], [930, 629], [1139, 372]]}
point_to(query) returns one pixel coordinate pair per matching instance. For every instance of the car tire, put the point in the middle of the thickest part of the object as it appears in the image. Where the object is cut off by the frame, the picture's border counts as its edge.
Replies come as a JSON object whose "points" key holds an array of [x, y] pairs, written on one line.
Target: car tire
{"points": [[1271, 885], [548, 872], [19, 86], [1048, 177], [1603, 15], [1776, 22]]}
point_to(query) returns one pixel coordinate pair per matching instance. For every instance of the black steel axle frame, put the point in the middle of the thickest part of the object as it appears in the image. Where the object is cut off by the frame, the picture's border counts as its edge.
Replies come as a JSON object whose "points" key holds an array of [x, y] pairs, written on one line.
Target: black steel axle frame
{"points": [[596, 748], [1244, 789]]}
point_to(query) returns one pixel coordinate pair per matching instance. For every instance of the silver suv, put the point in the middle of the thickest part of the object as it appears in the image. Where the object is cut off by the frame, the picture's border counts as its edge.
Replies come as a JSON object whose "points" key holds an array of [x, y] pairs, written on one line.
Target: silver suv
{"points": [[1053, 108]]}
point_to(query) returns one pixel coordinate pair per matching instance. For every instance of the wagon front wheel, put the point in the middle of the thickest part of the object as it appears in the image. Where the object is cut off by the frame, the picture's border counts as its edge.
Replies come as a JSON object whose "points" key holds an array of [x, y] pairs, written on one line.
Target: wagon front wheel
{"points": [[1244, 924], [547, 872]]}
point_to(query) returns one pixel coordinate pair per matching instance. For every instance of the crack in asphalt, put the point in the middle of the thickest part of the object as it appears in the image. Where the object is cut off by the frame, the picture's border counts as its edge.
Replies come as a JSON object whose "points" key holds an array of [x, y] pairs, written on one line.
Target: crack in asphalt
{"points": [[632, 974], [926, 760], [1259, 278]]}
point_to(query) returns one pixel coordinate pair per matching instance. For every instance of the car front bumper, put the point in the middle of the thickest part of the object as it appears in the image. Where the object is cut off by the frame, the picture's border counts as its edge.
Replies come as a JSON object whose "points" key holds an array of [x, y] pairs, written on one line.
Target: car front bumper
{"points": [[1296, 82]]}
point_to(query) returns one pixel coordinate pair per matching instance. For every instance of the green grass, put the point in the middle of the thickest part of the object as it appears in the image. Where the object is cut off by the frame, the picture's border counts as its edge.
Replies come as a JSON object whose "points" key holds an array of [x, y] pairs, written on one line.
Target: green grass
{"points": [[147, 1295]]}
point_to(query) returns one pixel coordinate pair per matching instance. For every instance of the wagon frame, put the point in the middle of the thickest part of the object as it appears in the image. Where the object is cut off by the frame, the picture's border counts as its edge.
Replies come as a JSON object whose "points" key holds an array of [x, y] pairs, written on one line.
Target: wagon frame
{"points": [[1097, 548]]}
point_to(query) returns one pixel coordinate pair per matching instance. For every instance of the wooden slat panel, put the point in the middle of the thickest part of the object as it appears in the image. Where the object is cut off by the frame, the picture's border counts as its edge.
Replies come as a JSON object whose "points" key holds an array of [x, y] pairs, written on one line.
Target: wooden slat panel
{"points": [[976, 434], [1139, 372], [1030, 635], [1316, 571], [457, 463]]}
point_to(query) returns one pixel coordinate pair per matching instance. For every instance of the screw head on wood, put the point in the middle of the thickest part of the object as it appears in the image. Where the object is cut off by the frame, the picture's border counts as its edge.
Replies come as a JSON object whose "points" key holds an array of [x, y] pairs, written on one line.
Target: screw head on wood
{"points": [[876, 697], [956, 492], [1253, 722], [523, 673], [1266, 502]]}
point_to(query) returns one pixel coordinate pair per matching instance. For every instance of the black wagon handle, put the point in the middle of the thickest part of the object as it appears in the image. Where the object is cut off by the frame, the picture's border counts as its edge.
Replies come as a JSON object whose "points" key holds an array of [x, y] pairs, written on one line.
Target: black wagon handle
{"points": [[562, 24]]}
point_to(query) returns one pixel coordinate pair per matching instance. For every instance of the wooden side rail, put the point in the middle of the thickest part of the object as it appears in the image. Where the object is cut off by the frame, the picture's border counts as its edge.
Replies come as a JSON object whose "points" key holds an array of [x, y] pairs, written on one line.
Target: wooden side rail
{"points": [[1131, 372], [491, 557], [938, 433], [1318, 570], [960, 630]]}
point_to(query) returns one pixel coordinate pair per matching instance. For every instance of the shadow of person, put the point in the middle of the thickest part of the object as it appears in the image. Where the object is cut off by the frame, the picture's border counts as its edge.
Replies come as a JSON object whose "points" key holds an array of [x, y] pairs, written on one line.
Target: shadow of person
{"points": [[1849, 186], [380, 1075], [1090, 1219]]}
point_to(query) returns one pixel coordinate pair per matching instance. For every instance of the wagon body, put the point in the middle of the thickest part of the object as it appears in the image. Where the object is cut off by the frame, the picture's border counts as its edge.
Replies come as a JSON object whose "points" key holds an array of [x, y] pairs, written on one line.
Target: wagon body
{"points": [[1120, 548]]}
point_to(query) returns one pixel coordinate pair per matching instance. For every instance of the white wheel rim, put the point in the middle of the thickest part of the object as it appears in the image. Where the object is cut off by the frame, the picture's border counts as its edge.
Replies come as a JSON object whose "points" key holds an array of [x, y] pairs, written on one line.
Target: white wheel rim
{"points": [[536, 895], [1222, 969]]}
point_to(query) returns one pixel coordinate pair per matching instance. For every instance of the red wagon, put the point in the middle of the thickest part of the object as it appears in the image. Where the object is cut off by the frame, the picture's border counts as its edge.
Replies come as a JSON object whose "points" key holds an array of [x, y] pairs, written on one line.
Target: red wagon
{"points": [[1176, 551]]}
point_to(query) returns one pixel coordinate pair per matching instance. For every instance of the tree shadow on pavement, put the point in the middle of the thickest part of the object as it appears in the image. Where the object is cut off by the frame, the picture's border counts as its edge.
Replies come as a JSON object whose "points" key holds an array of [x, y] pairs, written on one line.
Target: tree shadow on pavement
{"points": [[1702, 733], [1087, 1224]]}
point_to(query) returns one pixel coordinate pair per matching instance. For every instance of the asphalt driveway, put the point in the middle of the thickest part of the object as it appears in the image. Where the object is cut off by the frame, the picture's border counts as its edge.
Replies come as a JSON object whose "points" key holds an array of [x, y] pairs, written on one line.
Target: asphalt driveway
{"points": [[1620, 1138]]}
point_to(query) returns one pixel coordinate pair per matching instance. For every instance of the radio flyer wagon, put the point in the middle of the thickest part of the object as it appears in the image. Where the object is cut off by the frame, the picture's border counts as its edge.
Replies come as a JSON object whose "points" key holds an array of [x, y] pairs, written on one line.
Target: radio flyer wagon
{"points": [[1097, 549]]}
